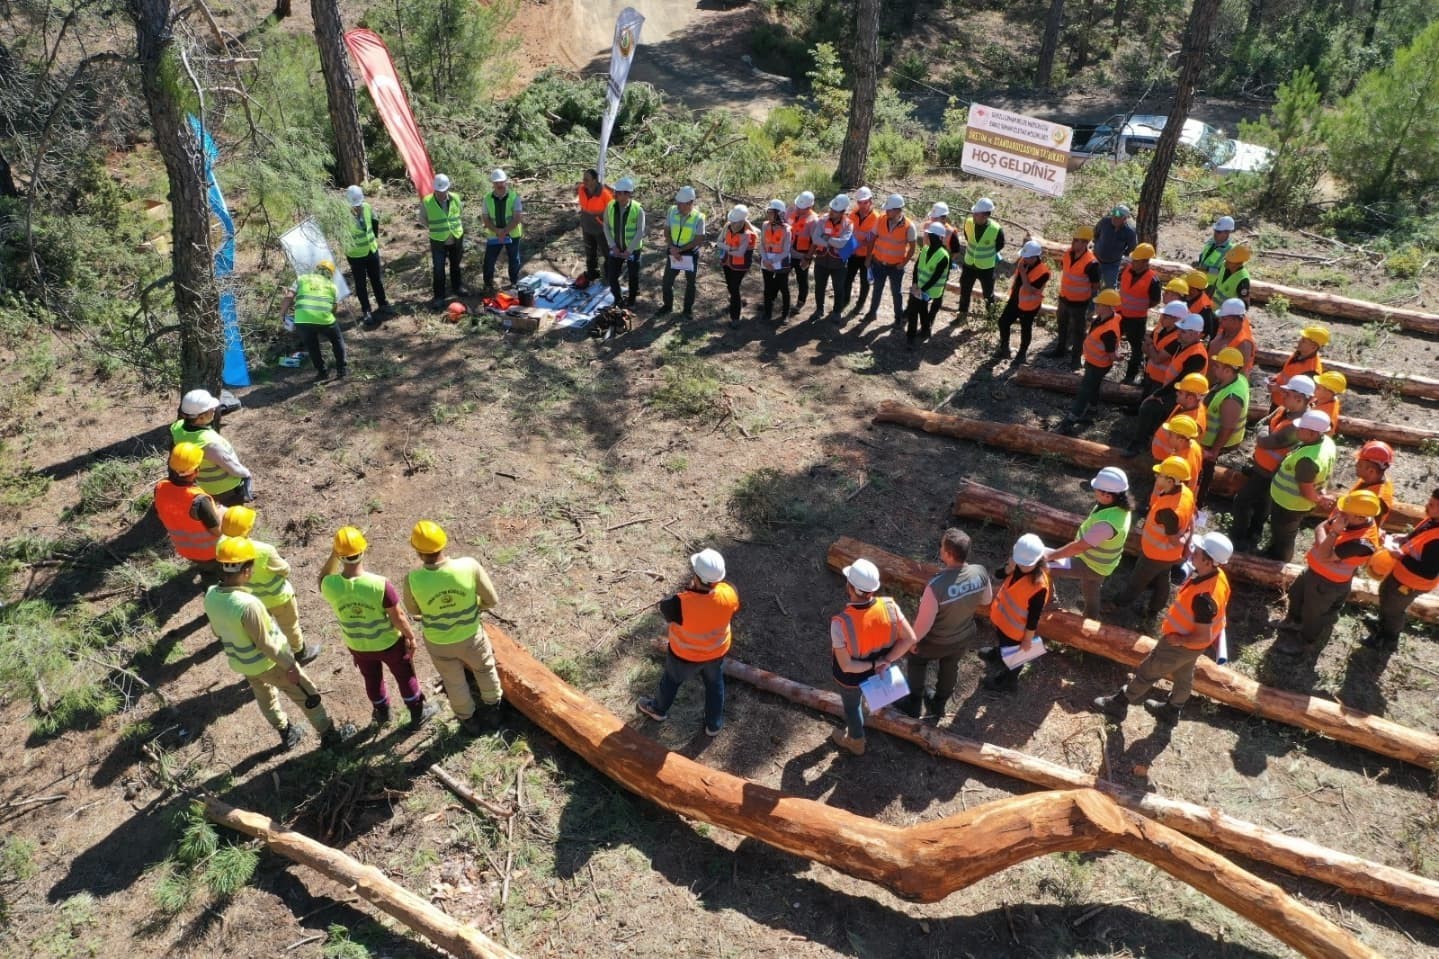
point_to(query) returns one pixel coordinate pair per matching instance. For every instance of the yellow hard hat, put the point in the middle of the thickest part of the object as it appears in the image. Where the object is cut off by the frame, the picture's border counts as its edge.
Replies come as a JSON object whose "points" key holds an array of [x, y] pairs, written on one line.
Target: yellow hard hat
{"points": [[1108, 297], [1184, 425], [1197, 280], [1238, 254], [1175, 467], [235, 551], [1332, 381], [325, 266], [428, 537], [186, 458], [1318, 334], [1084, 233], [1360, 503], [1229, 356], [1177, 285], [1194, 383], [1144, 251], [350, 541], [237, 521]]}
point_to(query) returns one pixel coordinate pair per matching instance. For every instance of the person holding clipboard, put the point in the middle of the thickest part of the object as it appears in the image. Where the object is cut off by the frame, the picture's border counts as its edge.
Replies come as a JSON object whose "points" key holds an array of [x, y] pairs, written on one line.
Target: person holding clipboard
{"points": [[866, 638]]}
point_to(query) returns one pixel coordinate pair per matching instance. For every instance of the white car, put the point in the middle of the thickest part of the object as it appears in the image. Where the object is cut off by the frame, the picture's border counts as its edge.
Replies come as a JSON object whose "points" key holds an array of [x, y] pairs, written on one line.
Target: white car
{"points": [[1120, 139]]}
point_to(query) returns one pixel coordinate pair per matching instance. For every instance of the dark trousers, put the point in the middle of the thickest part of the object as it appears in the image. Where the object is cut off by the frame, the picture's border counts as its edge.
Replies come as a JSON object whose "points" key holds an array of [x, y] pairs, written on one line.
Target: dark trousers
{"points": [[1394, 600], [829, 271], [310, 334], [1150, 578], [678, 670], [667, 283], [372, 664], [1089, 385], [439, 254], [1090, 585], [853, 702], [1314, 606], [1133, 333], [1283, 530], [967, 275], [857, 266], [732, 281], [614, 266], [776, 284], [511, 252], [1251, 508], [1152, 413], [947, 677], [365, 273], [594, 249], [801, 284], [1007, 317], [893, 274], [1073, 320], [919, 316]]}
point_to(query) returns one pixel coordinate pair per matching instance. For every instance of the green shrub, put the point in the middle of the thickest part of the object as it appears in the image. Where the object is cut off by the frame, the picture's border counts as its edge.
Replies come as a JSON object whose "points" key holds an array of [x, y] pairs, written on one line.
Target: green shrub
{"points": [[894, 155], [785, 124], [691, 387], [1406, 262]]}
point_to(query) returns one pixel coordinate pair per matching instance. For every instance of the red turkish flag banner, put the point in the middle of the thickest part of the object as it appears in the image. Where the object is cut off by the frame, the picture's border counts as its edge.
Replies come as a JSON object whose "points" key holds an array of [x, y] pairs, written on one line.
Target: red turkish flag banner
{"points": [[373, 58]]}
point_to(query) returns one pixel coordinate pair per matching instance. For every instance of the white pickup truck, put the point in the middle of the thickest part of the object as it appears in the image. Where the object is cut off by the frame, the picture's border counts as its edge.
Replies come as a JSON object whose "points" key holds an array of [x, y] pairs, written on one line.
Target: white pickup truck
{"points": [[1119, 139]]}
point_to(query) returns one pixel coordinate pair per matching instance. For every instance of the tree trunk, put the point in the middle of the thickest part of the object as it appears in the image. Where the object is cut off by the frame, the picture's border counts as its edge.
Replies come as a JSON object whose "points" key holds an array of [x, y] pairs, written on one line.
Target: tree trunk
{"points": [[1405, 384], [1255, 20], [350, 166], [854, 155], [1219, 683], [197, 298], [1083, 40], [1373, 23], [1120, 8], [1049, 44], [1191, 62], [282, 9]]}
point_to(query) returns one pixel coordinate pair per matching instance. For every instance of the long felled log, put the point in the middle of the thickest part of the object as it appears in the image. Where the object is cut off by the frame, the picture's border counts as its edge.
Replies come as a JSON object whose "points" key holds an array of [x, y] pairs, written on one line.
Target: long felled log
{"points": [[1219, 683], [1360, 877], [977, 501], [1405, 384], [923, 863], [367, 882], [1027, 439], [1350, 426]]}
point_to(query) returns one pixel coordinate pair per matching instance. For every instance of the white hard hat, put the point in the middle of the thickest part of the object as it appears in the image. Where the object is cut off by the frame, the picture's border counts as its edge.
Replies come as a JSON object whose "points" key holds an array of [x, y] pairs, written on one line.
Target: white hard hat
{"points": [[777, 205], [938, 210], [708, 565], [894, 202], [1233, 306], [839, 204], [196, 402], [1028, 550], [936, 229], [442, 183], [498, 176], [1316, 420], [1301, 384], [1225, 224], [685, 194], [1191, 323], [983, 205], [1177, 309], [738, 214], [804, 201], [1216, 546], [862, 194], [355, 195], [624, 185], [862, 575], [1111, 479], [1031, 248]]}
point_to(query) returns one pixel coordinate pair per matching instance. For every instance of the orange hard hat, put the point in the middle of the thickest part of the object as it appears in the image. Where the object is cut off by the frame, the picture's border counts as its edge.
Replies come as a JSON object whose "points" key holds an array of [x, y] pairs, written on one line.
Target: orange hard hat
{"points": [[457, 308]]}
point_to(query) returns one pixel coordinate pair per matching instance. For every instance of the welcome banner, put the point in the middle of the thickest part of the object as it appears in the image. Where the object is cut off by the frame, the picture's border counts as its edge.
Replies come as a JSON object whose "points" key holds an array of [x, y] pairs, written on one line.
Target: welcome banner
{"points": [[627, 39], [378, 70]]}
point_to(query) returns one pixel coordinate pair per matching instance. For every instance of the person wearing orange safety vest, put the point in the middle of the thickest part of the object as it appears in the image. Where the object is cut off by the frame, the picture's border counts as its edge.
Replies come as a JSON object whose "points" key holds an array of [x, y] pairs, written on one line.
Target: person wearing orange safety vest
{"points": [[864, 221], [1162, 342], [1234, 330], [1200, 302], [866, 638], [1190, 356], [1277, 437], [1371, 466], [1189, 401], [1165, 536], [1024, 590], [1413, 562], [1327, 388], [775, 250], [1179, 437], [895, 240], [1305, 359], [801, 243], [188, 513], [1026, 296], [736, 245], [1078, 286], [1195, 621], [593, 197], [699, 618], [1343, 544], [1101, 349], [1139, 291], [832, 239]]}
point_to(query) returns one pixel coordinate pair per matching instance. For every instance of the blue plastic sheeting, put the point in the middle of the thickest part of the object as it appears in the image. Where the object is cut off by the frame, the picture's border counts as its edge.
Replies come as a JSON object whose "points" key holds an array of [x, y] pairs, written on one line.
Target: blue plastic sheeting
{"points": [[236, 371]]}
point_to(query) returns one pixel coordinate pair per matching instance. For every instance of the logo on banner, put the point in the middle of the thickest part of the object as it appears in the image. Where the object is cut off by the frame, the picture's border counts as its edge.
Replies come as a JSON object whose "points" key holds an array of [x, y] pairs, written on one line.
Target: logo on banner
{"points": [[627, 41]]}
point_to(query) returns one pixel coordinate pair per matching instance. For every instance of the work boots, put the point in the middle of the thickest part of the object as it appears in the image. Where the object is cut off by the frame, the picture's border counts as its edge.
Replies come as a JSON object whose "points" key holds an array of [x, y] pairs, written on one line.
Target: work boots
{"points": [[290, 736], [1116, 707], [421, 712], [1163, 710], [380, 714], [850, 744]]}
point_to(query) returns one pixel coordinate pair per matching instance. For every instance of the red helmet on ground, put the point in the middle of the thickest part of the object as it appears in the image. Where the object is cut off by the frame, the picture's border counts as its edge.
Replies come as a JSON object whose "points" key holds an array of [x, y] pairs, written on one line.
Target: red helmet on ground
{"points": [[1377, 451], [457, 309]]}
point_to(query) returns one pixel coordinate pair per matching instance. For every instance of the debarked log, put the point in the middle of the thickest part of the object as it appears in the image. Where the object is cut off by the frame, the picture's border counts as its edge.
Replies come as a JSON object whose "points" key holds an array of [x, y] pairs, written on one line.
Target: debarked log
{"points": [[1219, 683], [1405, 384], [922, 863]]}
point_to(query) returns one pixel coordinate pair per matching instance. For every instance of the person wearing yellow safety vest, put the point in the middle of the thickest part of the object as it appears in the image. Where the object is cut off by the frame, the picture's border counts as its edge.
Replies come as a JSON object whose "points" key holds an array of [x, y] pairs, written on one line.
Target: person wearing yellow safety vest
{"points": [[1232, 280], [1412, 563], [1189, 356], [1343, 545], [1026, 296], [592, 197], [1101, 349], [270, 581], [256, 649], [1097, 550], [699, 618], [1078, 286], [1165, 539], [362, 252], [983, 242], [1328, 386], [1114, 240], [1299, 483], [374, 626], [187, 512], [1277, 437], [442, 213], [1226, 413], [866, 638], [222, 475], [864, 220], [944, 624], [895, 240], [625, 236], [502, 215], [684, 232], [775, 247], [927, 285], [1211, 257], [448, 594], [1195, 621], [313, 297]]}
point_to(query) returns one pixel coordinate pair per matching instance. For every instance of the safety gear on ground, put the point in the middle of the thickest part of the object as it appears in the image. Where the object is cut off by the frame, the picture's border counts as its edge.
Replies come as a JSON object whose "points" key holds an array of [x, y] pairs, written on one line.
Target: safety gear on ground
{"points": [[428, 537], [237, 521], [1216, 546], [708, 565], [862, 194], [862, 575], [1028, 550], [1193, 383], [236, 551], [894, 202], [1316, 334], [325, 266], [1316, 420], [498, 176], [1240, 254], [456, 310], [349, 542], [939, 209], [776, 205], [1332, 381], [685, 194], [1229, 356], [1376, 451], [1111, 479], [804, 201], [839, 204], [442, 183], [1175, 467], [1300, 384], [185, 458], [1225, 224], [1191, 323], [1083, 233], [936, 229], [983, 205], [1144, 251], [1183, 425], [355, 195], [1233, 307], [1178, 286], [1120, 210], [1031, 248], [1108, 297], [1178, 309], [738, 214], [624, 185], [197, 402], [1360, 503]]}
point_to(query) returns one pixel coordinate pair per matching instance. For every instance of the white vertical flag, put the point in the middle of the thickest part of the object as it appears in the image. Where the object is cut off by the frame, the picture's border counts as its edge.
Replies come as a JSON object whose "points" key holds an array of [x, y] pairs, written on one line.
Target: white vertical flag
{"points": [[627, 38]]}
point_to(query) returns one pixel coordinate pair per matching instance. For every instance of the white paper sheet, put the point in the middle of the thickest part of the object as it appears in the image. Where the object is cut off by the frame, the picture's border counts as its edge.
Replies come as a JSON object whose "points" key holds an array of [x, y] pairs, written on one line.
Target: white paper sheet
{"points": [[1017, 657], [884, 688], [685, 264]]}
